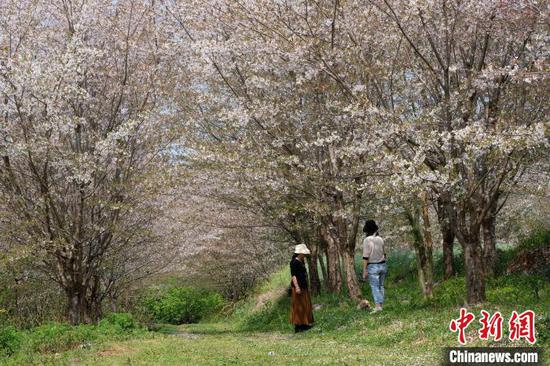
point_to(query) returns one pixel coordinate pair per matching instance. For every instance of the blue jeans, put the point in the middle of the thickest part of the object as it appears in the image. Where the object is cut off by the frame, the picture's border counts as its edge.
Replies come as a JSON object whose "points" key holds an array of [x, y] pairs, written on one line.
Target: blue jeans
{"points": [[377, 274]]}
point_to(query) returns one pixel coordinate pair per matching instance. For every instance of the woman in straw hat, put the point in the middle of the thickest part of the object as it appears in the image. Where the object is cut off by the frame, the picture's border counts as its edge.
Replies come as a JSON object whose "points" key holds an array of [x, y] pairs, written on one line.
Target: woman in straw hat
{"points": [[301, 312]]}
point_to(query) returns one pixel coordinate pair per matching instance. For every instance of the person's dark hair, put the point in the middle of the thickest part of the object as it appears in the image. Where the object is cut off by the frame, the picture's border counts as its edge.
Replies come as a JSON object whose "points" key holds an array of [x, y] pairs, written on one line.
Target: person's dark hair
{"points": [[294, 255], [370, 227]]}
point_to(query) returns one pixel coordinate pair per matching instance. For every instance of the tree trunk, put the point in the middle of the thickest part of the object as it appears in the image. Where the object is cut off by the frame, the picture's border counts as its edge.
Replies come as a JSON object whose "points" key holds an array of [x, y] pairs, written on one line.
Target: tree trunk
{"points": [[334, 283], [489, 241], [423, 254], [94, 301], [322, 255], [448, 244], [73, 306], [473, 263], [446, 223], [315, 282], [349, 237], [79, 309], [352, 283], [468, 234], [427, 252], [334, 276], [113, 299], [83, 304], [489, 246]]}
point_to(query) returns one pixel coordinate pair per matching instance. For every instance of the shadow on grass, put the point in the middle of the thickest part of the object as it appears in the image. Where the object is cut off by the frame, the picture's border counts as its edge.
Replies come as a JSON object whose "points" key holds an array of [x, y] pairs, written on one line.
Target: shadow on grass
{"points": [[195, 329]]}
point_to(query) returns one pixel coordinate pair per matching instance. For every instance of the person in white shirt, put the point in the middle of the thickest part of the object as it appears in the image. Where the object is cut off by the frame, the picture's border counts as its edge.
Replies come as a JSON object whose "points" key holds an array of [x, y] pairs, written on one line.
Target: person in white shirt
{"points": [[374, 262]]}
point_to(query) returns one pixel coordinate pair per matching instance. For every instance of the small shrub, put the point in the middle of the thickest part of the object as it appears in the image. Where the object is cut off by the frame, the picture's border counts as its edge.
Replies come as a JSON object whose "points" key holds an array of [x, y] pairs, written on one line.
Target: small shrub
{"points": [[10, 341], [458, 262], [543, 328], [121, 321], [503, 259], [401, 266], [532, 255], [451, 292], [508, 294], [516, 289], [539, 237], [55, 337], [180, 305]]}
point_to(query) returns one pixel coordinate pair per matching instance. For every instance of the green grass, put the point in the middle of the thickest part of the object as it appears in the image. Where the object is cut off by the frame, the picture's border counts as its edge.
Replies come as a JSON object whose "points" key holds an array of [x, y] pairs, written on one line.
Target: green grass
{"points": [[410, 330], [48, 342]]}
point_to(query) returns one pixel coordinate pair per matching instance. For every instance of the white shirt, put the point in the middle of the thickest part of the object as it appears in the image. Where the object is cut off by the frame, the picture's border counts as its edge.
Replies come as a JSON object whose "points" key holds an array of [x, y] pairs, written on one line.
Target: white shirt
{"points": [[373, 249]]}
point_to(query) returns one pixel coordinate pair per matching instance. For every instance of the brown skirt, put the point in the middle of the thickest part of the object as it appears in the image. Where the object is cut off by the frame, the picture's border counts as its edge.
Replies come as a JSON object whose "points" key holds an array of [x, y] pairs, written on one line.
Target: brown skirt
{"points": [[301, 312]]}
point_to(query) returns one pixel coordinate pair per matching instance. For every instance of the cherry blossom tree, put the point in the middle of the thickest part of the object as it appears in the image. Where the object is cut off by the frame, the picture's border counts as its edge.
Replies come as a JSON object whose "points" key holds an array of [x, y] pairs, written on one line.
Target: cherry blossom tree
{"points": [[300, 115], [471, 109], [84, 137], [319, 102], [286, 108]]}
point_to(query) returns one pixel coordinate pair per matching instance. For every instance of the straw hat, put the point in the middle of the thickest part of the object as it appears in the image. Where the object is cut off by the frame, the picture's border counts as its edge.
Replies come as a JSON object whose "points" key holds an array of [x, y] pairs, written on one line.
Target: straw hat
{"points": [[301, 249]]}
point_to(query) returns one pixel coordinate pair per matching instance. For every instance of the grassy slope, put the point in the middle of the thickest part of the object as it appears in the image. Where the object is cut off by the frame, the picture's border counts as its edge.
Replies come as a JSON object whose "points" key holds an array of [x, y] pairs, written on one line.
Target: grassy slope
{"points": [[408, 332]]}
